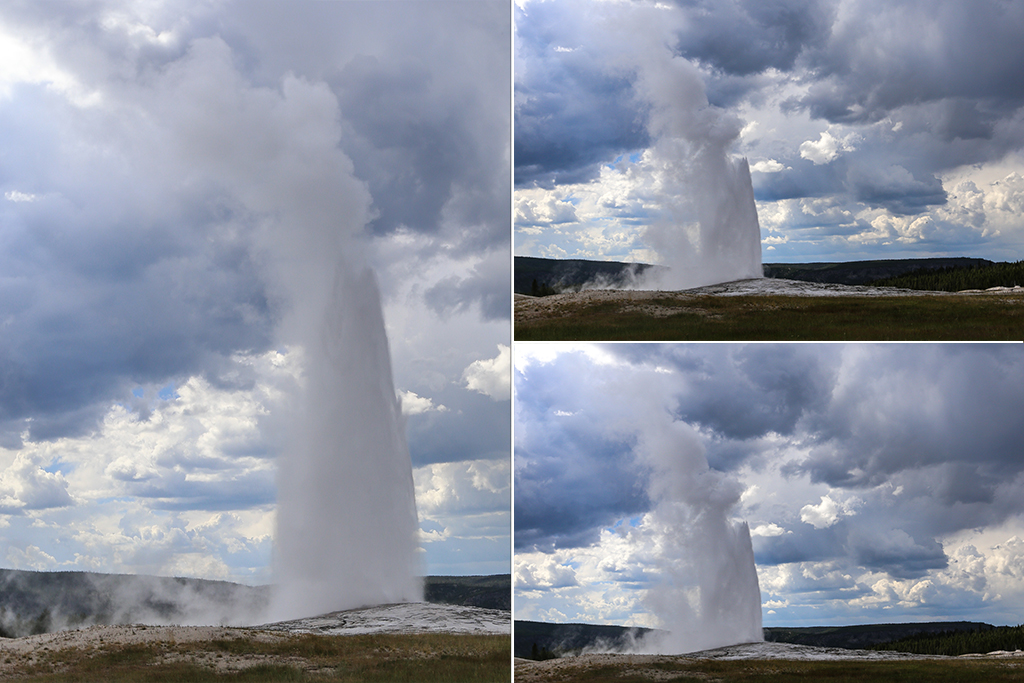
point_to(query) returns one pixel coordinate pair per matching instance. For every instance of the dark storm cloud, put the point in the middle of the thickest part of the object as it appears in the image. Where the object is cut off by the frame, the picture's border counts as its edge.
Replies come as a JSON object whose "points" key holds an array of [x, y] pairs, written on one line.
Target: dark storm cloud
{"points": [[573, 110], [745, 37], [599, 485], [761, 390], [948, 50], [800, 179], [896, 189], [803, 544], [743, 392], [899, 408], [414, 145], [111, 280], [485, 287], [473, 427], [571, 477]]}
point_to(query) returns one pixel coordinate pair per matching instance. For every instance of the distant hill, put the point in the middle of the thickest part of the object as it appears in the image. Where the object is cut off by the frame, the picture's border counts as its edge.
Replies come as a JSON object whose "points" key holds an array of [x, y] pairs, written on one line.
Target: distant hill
{"points": [[539, 276], [534, 639], [864, 636], [864, 272], [39, 602], [956, 279], [492, 592]]}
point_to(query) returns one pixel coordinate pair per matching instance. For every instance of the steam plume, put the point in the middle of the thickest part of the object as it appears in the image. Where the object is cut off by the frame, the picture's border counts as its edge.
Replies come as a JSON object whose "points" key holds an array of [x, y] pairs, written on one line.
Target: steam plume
{"points": [[708, 232], [708, 595], [347, 521]]}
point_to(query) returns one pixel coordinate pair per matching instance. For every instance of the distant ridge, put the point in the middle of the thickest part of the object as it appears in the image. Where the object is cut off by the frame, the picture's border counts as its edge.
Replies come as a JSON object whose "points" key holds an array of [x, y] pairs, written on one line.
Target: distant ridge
{"points": [[40, 602], [546, 276], [864, 272], [537, 639], [865, 635], [534, 639]]}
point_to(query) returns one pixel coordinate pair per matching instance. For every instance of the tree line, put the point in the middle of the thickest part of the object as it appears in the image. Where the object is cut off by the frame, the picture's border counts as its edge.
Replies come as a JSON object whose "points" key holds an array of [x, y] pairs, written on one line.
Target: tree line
{"points": [[955, 643], [955, 279]]}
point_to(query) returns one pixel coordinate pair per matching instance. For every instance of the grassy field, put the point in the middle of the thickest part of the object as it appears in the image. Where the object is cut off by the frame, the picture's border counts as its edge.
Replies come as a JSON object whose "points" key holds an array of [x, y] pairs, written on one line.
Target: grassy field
{"points": [[789, 671], [384, 657], [789, 318]]}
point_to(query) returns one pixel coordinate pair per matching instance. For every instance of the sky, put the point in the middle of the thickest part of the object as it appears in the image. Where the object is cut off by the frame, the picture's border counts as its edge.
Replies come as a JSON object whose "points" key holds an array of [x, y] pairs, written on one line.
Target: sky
{"points": [[169, 171], [880, 483], [873, 129]]}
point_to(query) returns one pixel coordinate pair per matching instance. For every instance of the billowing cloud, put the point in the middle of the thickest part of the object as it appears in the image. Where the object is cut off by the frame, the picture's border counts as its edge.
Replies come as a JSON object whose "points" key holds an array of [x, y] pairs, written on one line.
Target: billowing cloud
{"points": [[491, 377], [823, 150]]}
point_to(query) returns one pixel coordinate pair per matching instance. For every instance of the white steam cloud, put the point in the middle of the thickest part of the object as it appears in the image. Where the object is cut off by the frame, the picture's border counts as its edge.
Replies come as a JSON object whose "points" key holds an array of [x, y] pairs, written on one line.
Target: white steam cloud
{"points": [[708, 231], [346, 517], [708, 594]]}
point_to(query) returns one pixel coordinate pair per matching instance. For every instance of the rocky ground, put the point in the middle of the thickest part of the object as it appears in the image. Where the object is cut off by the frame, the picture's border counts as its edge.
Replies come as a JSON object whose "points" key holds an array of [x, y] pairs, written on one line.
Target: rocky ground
{"points": [[410, 617]]}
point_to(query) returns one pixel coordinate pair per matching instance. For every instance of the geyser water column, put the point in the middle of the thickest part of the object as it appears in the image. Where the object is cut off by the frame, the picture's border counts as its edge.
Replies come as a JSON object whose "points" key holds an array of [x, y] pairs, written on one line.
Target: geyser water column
{"points": [[707, 230], [346, 516], [707, 594]]}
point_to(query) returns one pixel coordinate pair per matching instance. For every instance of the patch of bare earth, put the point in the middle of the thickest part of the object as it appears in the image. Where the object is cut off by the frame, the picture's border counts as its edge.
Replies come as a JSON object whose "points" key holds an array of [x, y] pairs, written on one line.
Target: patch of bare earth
{"points": [[561, 305], [572, 667], [17, 654]]}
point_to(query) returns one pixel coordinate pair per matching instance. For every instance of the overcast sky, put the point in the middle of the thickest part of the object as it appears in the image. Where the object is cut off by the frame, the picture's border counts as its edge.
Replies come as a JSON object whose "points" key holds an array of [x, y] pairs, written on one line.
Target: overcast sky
{"points": [[881, 483], [874, 129], [157, 159]]}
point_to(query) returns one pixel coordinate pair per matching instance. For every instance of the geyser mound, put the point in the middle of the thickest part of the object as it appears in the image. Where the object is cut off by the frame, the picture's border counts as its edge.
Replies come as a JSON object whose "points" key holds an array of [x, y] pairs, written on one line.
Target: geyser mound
{"points": [[346, 519]]}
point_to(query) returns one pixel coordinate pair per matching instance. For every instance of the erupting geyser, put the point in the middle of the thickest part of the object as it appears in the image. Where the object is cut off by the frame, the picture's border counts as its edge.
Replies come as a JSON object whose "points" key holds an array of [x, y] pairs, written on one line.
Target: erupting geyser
{"points": [[708, 594], [346, 519], [707, 231]]}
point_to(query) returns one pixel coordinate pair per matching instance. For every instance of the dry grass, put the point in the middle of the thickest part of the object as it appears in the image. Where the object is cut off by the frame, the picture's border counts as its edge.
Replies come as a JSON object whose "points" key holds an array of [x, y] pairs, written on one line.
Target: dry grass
{"points": [[680, 317], [634, 670], [247, 655]]}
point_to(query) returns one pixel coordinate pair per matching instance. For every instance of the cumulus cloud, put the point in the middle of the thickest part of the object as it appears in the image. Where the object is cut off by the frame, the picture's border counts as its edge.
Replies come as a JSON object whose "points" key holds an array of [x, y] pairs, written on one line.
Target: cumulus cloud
{"points": [[491, 377], [414, 405], [828, 511], [823, 150], [465, 505], [25, 485]]}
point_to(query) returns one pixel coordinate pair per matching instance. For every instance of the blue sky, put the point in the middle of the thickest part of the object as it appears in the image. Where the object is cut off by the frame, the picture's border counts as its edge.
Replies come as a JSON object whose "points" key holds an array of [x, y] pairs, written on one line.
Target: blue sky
{"points": [[863, 141], [881, 483], [174, 178]]}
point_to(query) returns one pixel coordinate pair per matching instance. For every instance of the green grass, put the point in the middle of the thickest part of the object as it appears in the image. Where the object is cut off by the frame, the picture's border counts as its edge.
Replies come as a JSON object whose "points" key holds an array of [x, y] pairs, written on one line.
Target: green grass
{"points": [[791, 318], [788, 671], [427, 658]]}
